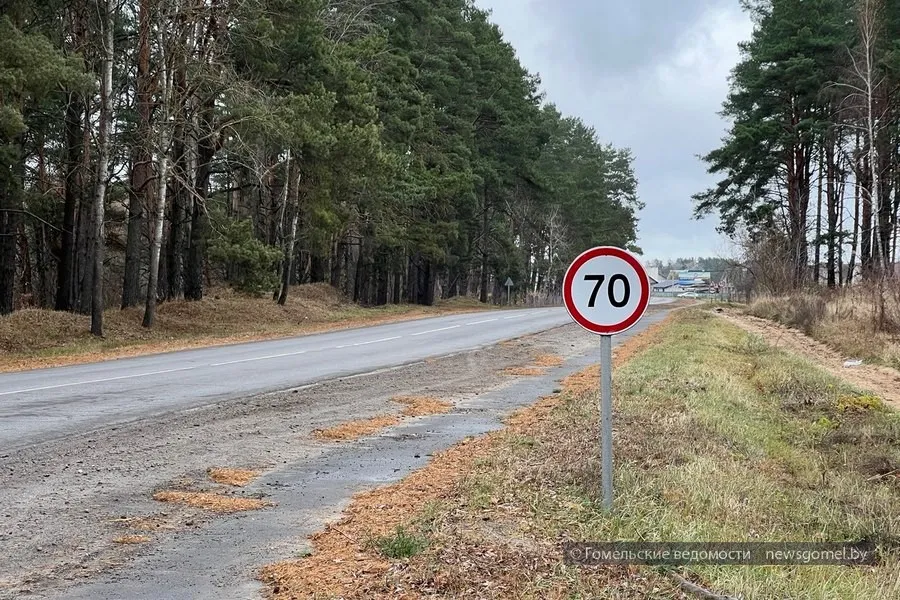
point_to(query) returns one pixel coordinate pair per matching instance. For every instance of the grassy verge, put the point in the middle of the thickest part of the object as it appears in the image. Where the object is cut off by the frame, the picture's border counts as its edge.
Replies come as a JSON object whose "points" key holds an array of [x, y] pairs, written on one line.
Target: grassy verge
{"points": [[719, 438], [40, 338]]}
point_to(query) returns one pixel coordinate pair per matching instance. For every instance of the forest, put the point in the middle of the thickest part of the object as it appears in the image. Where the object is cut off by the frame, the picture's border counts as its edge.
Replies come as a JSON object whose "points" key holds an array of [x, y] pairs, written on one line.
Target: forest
{"points": [[810, 168], [396, 149]]}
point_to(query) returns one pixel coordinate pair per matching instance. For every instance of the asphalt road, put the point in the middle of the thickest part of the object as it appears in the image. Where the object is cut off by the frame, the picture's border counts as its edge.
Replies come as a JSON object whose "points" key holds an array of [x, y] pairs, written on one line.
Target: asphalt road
{"points": [[45, 404]]}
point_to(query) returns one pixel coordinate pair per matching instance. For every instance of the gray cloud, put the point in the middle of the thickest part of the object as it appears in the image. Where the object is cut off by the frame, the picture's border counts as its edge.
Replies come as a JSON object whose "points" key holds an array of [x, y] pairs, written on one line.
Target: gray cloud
{"points": [[632, 32], [649, 75]]}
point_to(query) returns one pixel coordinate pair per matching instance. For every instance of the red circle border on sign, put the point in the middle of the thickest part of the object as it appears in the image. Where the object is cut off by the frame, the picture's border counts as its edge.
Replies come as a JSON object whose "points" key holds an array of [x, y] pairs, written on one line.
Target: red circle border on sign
{"points": [[570, 303]]}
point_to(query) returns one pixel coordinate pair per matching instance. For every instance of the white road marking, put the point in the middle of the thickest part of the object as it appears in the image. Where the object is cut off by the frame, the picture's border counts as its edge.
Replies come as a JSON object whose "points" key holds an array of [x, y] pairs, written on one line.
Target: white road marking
{"points": [[76, 383], [480, 322], [397, 337], [436, 330], [514, 317], [246, 360]]}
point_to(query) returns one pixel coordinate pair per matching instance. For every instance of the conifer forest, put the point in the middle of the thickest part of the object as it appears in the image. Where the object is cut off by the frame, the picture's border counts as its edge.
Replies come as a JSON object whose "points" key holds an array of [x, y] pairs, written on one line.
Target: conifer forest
{"points": [[396, 149]]}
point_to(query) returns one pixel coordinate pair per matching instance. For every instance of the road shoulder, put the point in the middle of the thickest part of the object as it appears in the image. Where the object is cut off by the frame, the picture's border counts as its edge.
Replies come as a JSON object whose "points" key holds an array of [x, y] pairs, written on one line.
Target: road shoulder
{"points": [[720, 436]]}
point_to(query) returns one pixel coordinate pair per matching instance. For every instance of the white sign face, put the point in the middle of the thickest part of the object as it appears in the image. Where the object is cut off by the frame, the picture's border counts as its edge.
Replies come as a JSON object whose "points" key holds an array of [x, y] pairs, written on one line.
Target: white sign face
{"points": [[606, 290]]}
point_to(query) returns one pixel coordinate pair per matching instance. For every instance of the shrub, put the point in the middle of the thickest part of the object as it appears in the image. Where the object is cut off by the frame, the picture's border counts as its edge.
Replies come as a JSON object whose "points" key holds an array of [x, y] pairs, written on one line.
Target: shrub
{"points": [[249, 265], [802, 311]]}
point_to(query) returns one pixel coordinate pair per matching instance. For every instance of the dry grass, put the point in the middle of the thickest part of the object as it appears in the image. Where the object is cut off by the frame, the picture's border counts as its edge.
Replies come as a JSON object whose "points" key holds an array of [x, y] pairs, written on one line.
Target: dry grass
{"points": [[41, 338], [523, 371], [882, 380], [845, 320], [212, 502], [548, 360], [414, 406], [233, 477], [420, 406], [710, 446], [353, 430], [132, 539]]}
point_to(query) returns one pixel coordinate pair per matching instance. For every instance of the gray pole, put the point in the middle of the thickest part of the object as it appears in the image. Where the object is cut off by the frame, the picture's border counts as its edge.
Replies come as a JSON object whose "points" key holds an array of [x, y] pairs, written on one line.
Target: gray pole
{"points": [[606, 420]]}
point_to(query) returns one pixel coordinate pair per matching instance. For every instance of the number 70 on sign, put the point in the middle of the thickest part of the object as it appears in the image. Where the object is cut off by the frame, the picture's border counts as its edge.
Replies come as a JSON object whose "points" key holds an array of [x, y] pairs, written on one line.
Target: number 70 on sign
{"points": [[606, 290]]}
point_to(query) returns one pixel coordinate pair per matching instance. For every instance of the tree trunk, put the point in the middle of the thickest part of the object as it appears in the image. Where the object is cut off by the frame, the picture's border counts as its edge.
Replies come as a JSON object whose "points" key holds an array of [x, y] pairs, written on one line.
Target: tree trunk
{"points": [[398, 284], [156, 238], [42, 262], [85, 242], [894, 221], [818, 252], [10, 217], [866, 255], [106, 108], [176, 241], [885, 221], [839, 230], [193, 285], [337, 262], [162, 152], [483, 298], [293, 183], [141, 189], [857, 196], [65, 275], [832, 206]]}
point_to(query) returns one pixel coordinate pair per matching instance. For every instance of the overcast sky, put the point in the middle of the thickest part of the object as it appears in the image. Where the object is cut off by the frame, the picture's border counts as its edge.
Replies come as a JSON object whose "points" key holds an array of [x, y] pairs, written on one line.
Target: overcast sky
{"points": [[649, 75]]}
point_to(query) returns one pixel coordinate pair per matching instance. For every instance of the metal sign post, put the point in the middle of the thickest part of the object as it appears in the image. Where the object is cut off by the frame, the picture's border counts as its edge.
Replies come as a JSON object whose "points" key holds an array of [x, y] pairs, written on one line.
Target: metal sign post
{"points": [[509, 284], [606, 449], [606, 291]]}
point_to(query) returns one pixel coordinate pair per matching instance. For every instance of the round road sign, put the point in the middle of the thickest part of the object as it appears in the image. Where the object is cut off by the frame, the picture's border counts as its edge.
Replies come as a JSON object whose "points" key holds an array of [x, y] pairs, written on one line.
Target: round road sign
{"points": [[606, 290]]}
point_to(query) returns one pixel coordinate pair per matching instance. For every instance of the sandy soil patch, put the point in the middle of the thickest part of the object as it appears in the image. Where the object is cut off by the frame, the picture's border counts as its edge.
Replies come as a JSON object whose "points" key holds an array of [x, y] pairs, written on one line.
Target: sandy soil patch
{"points": [[212, 502], [883, 381], [146, 523]]}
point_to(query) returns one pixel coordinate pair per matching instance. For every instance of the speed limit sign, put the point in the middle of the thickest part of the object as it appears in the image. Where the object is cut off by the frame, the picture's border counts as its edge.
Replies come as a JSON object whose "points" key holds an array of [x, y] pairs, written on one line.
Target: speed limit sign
{"points": [[606, 291]]}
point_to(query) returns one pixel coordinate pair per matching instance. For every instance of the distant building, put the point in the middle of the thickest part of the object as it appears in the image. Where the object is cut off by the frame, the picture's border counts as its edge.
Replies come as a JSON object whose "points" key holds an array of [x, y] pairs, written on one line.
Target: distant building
{"points": [[689, 279], [666, 286]]}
